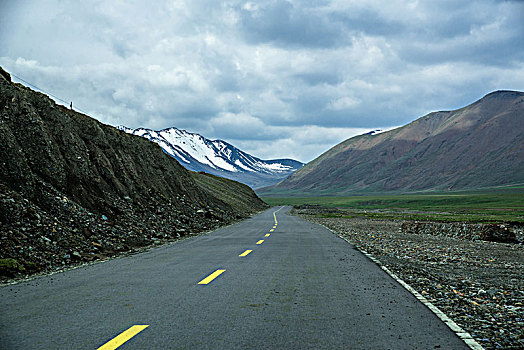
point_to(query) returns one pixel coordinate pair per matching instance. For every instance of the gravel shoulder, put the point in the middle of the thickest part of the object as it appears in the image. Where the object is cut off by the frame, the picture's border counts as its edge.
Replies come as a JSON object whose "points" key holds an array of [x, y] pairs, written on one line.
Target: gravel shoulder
{"points": [[478, 284]]}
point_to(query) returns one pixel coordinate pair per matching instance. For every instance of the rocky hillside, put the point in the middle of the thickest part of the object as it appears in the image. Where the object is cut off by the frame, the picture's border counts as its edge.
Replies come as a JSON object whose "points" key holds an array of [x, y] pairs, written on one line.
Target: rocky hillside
{"points": [[478, 146], [218, 157], [73, 189]]}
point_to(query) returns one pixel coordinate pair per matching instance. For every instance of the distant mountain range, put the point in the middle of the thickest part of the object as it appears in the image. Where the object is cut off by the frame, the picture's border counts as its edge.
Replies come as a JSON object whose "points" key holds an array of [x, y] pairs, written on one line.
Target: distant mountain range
{"points": [[478, 146], [218, 157]]}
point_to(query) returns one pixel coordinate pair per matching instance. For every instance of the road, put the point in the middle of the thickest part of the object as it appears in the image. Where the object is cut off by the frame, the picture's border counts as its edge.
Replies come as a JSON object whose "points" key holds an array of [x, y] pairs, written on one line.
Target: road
{"points": [[273, 281]]}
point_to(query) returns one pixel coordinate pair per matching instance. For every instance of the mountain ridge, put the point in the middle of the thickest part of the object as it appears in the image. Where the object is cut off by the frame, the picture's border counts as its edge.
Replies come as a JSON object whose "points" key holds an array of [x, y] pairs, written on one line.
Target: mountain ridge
{"points": [[217, 157], [73, 189], [479, 145]]}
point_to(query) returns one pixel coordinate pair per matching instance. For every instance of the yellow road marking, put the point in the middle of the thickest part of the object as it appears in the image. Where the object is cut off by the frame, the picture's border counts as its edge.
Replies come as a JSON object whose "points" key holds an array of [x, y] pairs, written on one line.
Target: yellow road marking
{"points": [[275, 216], [246, 252], [260, 242], [123, 337], [267, 235], [275, 226], [272, 230], [211, 277]]}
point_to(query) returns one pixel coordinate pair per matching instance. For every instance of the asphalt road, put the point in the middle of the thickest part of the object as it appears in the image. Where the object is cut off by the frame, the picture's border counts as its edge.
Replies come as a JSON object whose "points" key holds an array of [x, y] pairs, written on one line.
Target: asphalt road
{"points": [[301, 288]]}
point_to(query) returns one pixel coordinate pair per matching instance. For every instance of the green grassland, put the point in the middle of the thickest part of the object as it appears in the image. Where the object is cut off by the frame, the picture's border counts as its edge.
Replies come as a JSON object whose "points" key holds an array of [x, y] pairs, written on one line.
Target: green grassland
{"points": [[457, 207]]}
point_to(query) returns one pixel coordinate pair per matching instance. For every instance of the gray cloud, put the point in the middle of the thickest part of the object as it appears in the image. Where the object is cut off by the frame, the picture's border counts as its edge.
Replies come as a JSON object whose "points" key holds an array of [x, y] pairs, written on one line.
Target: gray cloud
{"points": [[288, 24], [278, 78]]}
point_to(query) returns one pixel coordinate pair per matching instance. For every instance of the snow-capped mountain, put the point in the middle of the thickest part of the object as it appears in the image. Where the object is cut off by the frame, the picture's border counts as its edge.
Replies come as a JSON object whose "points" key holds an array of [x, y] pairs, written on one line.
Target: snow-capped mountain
{"points": [[218, 157]]}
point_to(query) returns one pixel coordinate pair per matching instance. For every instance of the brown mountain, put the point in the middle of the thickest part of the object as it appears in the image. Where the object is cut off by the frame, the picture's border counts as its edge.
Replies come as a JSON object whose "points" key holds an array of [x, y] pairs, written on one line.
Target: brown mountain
{"points": [[73, 189], [478, 146]]}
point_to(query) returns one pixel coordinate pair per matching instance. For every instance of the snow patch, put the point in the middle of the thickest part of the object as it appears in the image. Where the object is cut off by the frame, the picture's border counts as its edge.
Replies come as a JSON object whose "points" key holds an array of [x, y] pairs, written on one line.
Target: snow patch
{"points": [[191, 148], [240, 164]]}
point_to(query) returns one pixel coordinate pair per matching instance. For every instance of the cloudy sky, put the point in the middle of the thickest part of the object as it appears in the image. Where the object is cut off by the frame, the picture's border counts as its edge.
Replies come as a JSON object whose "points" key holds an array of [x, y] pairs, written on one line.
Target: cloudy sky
{"points": [[274, 78]]}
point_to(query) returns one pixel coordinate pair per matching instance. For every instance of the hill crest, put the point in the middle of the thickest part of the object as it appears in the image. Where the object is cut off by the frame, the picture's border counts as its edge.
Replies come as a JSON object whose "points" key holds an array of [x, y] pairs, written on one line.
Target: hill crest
{"points": [[73, 189], [480, 145]]}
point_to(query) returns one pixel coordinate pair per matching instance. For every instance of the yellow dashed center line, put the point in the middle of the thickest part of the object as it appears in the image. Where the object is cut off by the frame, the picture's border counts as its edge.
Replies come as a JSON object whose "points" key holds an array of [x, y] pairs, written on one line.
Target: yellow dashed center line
{"points": [[275, 215], [123, 337], [246, 252], [211, 277]]}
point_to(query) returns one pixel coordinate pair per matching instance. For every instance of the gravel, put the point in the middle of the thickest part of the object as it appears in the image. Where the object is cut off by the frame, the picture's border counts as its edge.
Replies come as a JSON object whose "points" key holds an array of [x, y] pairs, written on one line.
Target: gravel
{"points": [[476, 283], [36, 241]]}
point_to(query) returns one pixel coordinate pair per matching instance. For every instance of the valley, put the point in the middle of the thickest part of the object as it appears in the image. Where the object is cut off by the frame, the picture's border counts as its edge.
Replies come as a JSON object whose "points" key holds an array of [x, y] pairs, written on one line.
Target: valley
{"points": [[262, 175], [75, 194]]}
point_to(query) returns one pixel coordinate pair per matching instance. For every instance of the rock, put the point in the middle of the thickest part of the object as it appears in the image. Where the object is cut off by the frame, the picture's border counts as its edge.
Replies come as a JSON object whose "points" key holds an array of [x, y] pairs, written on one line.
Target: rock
{"points": [[497, 233], [486, 232]]}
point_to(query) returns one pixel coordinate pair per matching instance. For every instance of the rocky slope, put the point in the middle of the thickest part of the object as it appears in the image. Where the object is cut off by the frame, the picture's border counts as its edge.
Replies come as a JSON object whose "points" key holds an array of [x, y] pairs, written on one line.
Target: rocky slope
{"points": [[478, 146], [218, 157], [73, 189]]}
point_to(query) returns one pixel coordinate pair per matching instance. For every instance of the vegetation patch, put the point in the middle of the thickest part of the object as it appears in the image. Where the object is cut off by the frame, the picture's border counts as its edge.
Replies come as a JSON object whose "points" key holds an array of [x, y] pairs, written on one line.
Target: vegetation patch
{"points": [[10, 267], [459, 207]]}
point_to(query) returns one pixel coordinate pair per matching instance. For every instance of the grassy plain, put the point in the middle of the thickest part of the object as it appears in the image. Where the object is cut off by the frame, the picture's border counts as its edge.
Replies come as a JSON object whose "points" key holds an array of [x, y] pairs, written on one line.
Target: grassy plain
{"points": [[458, 207]]}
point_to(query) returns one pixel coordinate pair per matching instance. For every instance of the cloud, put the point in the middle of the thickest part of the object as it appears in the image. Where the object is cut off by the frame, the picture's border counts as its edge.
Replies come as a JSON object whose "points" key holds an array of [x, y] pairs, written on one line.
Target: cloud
{"points": [[288, 77], [237, 126], [344, 103], [302, 143], [286, 24]]}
